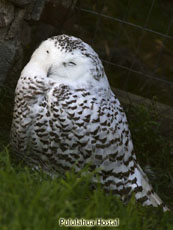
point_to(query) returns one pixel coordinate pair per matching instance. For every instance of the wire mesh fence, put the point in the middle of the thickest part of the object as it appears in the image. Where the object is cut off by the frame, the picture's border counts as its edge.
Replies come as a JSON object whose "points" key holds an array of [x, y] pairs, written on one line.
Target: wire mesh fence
{"points": [[135, 42]]}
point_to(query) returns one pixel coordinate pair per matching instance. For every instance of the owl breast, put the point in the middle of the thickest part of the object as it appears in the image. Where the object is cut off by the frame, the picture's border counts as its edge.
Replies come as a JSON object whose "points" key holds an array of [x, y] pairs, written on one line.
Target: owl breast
{"points": [[70, 126]]}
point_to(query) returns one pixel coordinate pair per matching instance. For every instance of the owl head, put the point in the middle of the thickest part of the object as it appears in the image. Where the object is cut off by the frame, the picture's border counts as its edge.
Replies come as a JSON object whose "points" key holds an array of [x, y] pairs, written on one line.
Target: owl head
{"points": [[67, 59]]}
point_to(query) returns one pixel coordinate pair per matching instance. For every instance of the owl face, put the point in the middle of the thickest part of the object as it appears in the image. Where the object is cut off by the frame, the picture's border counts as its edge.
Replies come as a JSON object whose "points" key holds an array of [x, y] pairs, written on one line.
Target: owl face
{"points": [[68, 59]]}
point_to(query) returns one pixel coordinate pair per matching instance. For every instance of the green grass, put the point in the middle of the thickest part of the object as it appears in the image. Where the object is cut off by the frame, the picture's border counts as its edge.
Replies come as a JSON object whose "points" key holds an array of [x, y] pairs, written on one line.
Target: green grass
{"points": [[33, 200], [153, 148]]}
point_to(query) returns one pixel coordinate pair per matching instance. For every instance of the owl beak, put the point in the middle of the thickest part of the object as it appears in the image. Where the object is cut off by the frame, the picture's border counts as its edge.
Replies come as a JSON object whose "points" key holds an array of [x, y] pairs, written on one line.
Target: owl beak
{"points": [[49, 71]]}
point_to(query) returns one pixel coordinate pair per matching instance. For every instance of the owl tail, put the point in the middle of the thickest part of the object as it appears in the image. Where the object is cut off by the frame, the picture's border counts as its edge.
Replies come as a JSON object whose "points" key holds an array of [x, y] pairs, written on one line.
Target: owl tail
{"points": [[144, 191]]}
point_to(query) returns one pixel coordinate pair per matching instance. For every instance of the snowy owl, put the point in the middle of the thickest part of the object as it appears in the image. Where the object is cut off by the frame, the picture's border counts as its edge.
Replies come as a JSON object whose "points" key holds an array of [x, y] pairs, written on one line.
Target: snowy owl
{"points": [[66, 115]]}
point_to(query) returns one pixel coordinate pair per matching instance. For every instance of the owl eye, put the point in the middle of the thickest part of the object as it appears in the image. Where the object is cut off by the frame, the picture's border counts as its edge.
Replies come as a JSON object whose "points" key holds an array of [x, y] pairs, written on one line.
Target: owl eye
{"points": [[65, 64], [72, 63]]}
